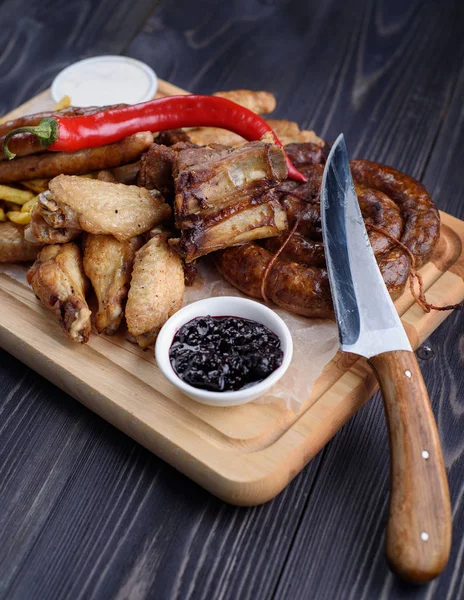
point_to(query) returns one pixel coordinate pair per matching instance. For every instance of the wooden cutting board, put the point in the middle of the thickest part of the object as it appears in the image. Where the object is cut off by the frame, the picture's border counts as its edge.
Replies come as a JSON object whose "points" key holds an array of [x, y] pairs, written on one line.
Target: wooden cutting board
{"points": [[246, 454]]}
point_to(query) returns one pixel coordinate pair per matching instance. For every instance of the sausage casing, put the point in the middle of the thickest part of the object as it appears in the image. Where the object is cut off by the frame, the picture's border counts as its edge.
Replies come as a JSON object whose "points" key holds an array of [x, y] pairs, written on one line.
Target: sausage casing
{"points": [[51, 164], [297, 280]]}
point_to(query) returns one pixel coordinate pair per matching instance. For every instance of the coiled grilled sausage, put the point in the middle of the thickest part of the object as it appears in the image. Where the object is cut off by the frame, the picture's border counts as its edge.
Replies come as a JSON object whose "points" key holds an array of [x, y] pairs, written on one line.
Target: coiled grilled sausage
{"points": [[298, 279], [421, 221]]}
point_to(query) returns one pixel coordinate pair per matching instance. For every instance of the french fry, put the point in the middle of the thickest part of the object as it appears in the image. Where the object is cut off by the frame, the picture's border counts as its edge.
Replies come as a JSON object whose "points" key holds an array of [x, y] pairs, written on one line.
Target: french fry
{"points": [[2, 215], [30, 205], [18, 217], [11, 194], [63, 103], [36, 185]]}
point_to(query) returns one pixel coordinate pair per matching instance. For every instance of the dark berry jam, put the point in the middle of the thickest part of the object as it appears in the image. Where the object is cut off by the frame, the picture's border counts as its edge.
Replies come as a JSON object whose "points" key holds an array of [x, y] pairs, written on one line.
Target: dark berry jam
{"points": [[223, 354]]}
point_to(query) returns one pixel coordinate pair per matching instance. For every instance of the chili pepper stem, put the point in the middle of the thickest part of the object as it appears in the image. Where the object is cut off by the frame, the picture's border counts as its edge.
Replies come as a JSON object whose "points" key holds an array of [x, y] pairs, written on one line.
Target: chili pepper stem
{"points": [[46, 131]]}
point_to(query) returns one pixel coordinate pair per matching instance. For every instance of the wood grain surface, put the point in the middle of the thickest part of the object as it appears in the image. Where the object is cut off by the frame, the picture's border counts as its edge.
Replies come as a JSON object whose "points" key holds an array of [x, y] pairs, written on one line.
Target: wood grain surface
{"points": [[86, 512]]}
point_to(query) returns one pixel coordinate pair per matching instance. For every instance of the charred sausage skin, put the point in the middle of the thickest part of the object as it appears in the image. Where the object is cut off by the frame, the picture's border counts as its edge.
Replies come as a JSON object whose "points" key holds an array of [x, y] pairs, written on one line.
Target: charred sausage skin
{"points": [[50, 164], [298, 279]]}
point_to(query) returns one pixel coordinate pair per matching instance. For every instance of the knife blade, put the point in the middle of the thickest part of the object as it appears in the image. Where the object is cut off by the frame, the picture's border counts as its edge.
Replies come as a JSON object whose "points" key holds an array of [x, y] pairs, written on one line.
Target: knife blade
{"points": [[367, 319], [418, 538]]}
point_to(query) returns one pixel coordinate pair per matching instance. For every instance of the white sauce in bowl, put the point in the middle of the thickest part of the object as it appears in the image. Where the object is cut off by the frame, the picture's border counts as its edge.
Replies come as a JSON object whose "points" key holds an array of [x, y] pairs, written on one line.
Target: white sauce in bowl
{"points": [[105, 80]]}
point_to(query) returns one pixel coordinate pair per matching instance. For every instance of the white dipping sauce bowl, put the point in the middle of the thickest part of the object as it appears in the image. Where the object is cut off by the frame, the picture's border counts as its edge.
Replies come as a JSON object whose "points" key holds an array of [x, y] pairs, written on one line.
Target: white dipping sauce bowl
{"points": [[103, 80], [223, 306]]}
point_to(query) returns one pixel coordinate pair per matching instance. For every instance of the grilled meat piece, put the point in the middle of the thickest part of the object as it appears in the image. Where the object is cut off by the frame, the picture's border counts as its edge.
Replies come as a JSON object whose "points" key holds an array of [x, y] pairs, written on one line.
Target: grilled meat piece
{"points": [[172, 136], [223, 196], [190, 272], [209, 179], [231, 227], [156, 167]]}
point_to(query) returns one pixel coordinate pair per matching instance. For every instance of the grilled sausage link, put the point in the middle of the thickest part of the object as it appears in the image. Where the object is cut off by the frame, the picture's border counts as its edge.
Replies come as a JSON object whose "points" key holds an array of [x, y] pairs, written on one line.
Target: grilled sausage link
{"points": [[298, 288], [421, 220], [298, 279], [50, 164]]}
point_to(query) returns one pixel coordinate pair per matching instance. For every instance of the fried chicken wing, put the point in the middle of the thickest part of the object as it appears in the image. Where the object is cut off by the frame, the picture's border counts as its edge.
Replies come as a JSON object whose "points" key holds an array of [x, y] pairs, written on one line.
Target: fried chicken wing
{"points": [[102, 207], [108, 264], [156, 290], [58, 280], [40, 232], [13, 246]]}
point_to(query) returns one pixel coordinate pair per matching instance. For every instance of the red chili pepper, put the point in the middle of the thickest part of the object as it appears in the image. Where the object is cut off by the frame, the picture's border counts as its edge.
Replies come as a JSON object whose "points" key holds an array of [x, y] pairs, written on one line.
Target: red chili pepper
{"points": [[69, 134]]}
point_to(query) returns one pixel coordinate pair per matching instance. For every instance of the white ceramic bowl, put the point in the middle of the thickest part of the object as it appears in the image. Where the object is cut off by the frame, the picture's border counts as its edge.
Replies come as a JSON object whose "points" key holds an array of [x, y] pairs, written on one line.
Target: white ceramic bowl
{"points": [[104, 80], [216, 307]]}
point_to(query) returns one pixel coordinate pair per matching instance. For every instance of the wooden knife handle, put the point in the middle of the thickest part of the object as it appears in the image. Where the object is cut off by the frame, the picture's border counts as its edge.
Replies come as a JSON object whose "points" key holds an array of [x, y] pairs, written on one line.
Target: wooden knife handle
{"points": [[418, 537]]}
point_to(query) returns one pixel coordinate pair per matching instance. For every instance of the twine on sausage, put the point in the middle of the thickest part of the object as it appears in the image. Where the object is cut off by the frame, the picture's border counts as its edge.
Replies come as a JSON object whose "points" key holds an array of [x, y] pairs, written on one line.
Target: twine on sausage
{"points": [[418, 297], [271, 263]]}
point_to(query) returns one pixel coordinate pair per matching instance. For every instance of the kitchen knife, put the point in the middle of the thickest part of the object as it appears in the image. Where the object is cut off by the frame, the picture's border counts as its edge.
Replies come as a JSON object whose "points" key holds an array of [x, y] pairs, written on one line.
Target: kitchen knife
{"points": [[418, 538]]}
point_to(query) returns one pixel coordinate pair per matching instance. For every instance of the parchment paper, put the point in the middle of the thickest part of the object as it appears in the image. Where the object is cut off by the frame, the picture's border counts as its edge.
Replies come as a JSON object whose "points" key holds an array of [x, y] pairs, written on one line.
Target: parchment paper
{"points": [[315, 341]]}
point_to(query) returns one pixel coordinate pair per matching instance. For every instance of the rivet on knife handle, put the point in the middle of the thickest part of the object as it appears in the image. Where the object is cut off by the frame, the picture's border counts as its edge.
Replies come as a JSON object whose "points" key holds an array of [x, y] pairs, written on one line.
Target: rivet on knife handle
{"points": [[418, 537]]}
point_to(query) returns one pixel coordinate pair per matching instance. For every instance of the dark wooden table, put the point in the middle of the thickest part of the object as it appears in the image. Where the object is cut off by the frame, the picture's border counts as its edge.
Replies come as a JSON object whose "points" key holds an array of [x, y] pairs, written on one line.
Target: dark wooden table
{"points": [[85, 512]]}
